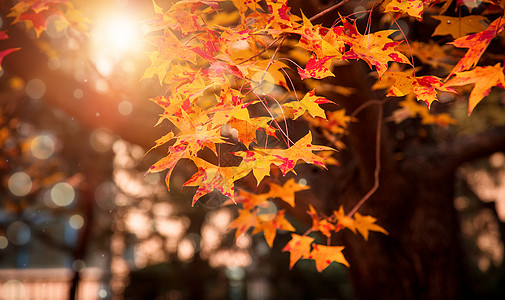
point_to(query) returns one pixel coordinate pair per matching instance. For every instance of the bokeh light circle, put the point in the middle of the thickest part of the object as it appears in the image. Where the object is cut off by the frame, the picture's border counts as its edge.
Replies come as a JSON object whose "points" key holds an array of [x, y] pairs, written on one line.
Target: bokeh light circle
{"points": [[42, 146], [35, 88], [4, 242], [76, 221], [62, 194], [20, 184], [18, 233]]}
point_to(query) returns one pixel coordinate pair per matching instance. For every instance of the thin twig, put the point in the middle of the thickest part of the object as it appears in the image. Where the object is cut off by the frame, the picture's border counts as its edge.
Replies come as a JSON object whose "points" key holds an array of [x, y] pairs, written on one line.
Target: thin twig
{"points": [[329, 9], [261, 52], [272, 59], [377, 163]]}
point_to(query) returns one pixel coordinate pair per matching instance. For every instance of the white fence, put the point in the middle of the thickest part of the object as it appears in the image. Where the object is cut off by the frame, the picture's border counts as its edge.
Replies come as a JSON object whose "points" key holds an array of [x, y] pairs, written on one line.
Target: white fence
{"points": [[49, 284]]}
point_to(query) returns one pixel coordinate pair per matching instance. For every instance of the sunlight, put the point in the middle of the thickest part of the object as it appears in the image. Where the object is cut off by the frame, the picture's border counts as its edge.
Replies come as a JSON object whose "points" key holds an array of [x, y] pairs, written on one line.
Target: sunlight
{"points": [[113, 37], [120, 32]]}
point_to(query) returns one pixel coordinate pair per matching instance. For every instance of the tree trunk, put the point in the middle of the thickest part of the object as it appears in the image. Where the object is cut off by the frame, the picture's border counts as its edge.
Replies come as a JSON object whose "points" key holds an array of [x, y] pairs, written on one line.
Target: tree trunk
{"points": [[422, 257]]}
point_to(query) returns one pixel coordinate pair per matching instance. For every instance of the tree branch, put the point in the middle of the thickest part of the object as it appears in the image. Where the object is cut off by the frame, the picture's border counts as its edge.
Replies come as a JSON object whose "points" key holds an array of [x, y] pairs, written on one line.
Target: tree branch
{"points": [[446, 157]]}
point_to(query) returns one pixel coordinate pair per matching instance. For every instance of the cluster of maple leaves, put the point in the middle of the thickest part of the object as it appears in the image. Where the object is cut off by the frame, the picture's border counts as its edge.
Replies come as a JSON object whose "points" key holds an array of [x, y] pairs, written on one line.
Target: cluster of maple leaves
{"points": [[227, 83]]}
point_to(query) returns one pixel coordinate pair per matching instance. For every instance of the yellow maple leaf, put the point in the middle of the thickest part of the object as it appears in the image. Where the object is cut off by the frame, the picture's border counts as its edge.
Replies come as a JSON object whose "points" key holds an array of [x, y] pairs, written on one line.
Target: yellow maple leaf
{"points": [[298, 247], [325, 255], [270, 226], [459, 26], [484, 79], [309, 103], [364, 224], [287, 191]]}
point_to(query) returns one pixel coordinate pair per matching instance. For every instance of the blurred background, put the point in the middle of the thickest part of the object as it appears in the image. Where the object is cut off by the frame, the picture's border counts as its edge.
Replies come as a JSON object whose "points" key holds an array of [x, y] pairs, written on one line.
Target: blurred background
{"points": [[79, 219]]}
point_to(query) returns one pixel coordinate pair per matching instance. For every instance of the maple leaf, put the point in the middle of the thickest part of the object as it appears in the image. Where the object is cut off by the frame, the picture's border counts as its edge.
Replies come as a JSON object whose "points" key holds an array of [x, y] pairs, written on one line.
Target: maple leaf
{"points": [[459, 26], [250, 200], [210, 177], [322, 41], [269, 227], [247, 129], [176, 153], [343, 220], [301, 150], [245, 220], [3, 53], [325, 255], [309, 103], [375, 49], [484, 79], [322, 225], [287, 191], [364, 224], [477, 44], [413, 8], [411, 108], [257, 162], [316, 68], [34, 13], [423, 87], [298, 247]]}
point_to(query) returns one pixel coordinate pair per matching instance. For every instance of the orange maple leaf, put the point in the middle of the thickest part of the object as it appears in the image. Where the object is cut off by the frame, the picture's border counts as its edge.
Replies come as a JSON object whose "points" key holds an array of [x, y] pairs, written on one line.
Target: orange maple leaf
{"points": [[343, 221], [270, 226], [298, 247], [322, 225], [364, 224], [477, 44], [317, 68], [375, 49], [287, 191], [246, 219], [210, 177], [247, 128], [176, 153], [320, 40], [423, 87], [309, 103], [301, 150], [459, 26], [413, 8], [250, 200], [257, 162], [325, 255], [484, 79]]}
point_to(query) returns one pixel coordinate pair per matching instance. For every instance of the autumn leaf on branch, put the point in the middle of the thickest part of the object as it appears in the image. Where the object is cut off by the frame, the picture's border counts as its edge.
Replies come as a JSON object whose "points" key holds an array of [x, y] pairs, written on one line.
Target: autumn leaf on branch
{"points": [[376, 49], [247, 218], [36, 14], [210, 177], [320, 224], [298, 247], [309, 103], [257, 162], [316, 68], [286, 159], [286, 192], [364, 224], [270, 224], [484, 79], [476, 43], [459, 26], [423, 87], [413, 8], [325, 255]]}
